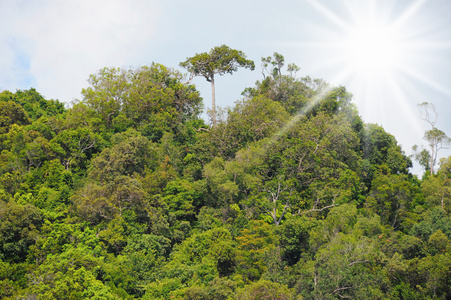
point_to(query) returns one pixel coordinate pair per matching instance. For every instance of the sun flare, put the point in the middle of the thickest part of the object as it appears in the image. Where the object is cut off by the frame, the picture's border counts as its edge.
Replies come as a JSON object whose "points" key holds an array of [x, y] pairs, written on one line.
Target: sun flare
{"points": [[372, 48], [370, 43], [379, 49], [386, 53]]}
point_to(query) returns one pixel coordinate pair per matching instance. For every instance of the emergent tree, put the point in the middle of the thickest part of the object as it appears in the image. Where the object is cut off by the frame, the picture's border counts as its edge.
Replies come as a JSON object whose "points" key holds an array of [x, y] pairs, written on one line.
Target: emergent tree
{"points": [[436, 138], [220, 60]]}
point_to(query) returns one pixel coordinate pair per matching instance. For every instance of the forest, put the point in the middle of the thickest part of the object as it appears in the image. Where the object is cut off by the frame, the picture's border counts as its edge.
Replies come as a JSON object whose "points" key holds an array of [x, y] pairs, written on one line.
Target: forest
{"points": [[130, 193]]}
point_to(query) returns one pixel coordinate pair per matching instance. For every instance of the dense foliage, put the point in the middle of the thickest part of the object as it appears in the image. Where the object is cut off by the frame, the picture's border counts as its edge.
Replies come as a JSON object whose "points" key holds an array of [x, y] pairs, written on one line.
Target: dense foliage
{"points": [[130, 194]]}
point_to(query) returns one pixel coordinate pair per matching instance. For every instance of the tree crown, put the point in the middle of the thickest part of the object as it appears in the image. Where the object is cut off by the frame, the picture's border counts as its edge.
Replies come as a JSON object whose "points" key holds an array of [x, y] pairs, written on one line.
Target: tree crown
{"points": [[220, 60]]}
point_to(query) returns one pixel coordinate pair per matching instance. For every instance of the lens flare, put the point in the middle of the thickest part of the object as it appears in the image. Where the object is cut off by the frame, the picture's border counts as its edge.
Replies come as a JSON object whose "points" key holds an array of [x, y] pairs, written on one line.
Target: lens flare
{"points": [[298, 116], [387, 54], [372, 49]]}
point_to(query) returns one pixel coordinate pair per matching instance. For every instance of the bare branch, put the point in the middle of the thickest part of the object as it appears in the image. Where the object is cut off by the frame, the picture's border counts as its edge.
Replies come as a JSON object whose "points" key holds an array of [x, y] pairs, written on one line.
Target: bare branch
{"points": [[203, 129], [342, 289], [428, 113], [358, 262], [319, 209]]}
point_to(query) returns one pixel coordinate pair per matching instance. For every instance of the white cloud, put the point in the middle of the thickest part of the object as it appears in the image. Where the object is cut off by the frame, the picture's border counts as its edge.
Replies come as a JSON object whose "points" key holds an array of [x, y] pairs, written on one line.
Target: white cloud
{"points": [[65, 41]]}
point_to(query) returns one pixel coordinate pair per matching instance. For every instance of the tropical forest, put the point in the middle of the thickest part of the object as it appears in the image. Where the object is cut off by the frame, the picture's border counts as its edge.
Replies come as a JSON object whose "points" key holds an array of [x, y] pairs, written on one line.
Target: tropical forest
{"points": [[136, 191]]}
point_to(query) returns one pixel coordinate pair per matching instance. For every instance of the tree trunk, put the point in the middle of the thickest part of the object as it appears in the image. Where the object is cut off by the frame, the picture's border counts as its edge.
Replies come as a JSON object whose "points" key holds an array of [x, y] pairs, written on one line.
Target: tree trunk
{"points": [[213, 102], [432, 159]]}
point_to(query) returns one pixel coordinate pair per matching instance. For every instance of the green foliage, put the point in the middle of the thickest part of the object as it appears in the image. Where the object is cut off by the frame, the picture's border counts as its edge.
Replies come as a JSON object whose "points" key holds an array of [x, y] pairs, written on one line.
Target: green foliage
{"points": [[34, 103], [129, 157], [95, 202], [11, 113], [264, 289], [291, 92], [197, 260], [70, 275], [220, 60], [392, 197], [437, 189], [249, 121], [19, 228], [433, 220], [180, 198], [129, 195], [294, 238], [75, 147], [254, 248], [380, 150], [151, 99]]}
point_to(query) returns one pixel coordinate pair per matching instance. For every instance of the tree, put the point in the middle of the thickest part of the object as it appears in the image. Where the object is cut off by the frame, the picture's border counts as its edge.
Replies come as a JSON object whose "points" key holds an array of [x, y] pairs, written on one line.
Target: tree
{"points": [[256, 245], [437, 189], [113, 186], [76, 273], [19, 228], [436, 138], [264, 289], [249, 121], [220, 60], [277, 195], [392, 197], [75, 147], [343, 269], [34, 103], [151, 99], [381, 148], [11, 113], [277, 62], [294, 235]]}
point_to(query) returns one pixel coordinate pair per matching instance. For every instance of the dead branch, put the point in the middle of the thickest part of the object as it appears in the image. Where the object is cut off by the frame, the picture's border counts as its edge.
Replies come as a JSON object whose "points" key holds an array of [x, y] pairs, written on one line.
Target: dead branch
{"points": [[203, 129]]}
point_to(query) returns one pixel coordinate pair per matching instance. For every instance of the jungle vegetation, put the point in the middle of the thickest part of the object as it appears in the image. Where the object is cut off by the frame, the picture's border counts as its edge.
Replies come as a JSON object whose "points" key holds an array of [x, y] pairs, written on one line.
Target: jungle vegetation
{"points": [[129, 193]]}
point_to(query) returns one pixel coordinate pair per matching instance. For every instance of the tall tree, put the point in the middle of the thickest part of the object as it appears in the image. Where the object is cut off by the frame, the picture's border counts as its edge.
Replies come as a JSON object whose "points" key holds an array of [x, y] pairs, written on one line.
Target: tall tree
{"points": [[220, 60], [436, 138]]}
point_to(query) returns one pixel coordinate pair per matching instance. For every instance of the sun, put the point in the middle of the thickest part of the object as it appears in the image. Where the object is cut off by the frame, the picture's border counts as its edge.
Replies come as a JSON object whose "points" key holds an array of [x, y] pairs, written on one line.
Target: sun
{"points": [[372, 48], [368, 41], [372, 45], [384, 51], [390, 55]]}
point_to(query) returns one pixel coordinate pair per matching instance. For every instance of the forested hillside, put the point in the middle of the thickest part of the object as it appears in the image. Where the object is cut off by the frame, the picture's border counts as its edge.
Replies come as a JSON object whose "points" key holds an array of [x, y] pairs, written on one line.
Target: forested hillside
{"points": [[129, 193]]}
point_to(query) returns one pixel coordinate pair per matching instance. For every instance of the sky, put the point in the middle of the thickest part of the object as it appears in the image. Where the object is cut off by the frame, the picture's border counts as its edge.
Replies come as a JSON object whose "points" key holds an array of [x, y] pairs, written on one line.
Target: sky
{"points": [[391, 55]]}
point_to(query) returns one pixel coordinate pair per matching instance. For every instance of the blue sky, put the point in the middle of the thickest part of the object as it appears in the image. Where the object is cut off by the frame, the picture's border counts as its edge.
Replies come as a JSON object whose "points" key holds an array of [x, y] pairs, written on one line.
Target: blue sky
{"points": [[55, 45]]}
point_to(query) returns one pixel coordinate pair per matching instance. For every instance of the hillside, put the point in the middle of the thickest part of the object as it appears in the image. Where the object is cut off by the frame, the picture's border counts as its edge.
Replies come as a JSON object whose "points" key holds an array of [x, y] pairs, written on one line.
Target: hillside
{"points": [[130, 194]]}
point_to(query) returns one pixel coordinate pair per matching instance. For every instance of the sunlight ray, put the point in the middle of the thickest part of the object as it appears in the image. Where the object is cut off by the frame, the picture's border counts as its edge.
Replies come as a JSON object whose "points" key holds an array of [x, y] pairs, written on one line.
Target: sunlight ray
{"points": [[297, 117], [412, 120], [329, 14], [439, 45], [377, 48], [423, 79], [408, 14]]}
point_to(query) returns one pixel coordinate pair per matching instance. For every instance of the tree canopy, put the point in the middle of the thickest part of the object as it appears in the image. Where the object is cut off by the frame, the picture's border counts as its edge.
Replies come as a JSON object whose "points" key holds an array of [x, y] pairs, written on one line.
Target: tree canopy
{"points": [[220, 60], [128, 195]]}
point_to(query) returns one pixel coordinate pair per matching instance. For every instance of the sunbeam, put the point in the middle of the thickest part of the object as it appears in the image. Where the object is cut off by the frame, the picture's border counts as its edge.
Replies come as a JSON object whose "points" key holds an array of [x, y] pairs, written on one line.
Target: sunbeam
{"points": [[373, 45], [418, 76], [297, 117], [385, 53]]}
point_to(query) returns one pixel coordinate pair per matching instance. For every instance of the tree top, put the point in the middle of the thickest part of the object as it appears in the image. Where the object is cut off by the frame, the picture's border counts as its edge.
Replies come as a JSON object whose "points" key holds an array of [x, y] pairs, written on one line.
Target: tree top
{"points": [[220, 60]]}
